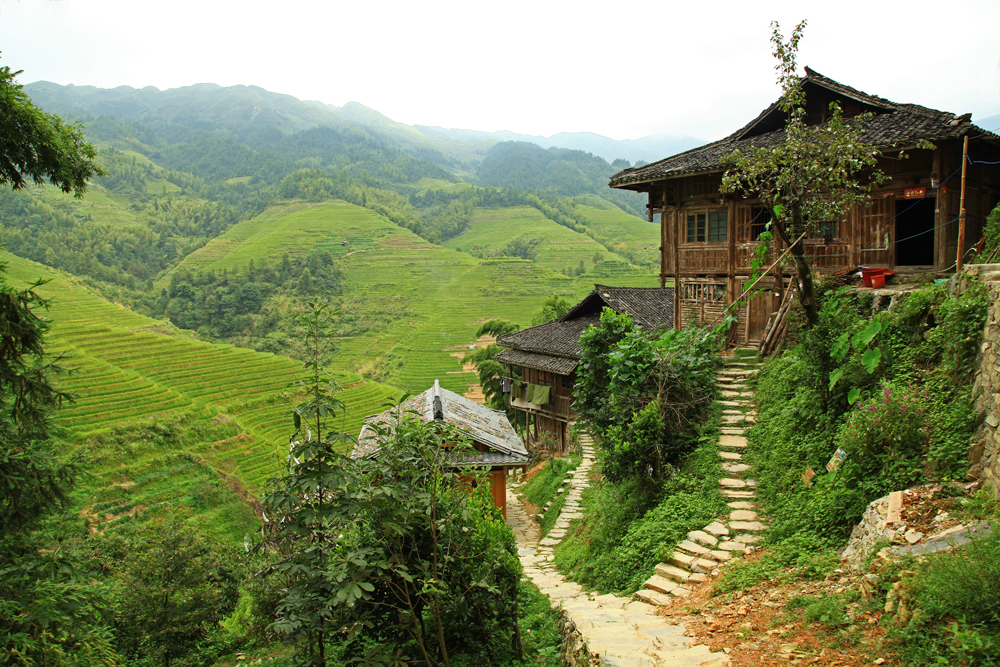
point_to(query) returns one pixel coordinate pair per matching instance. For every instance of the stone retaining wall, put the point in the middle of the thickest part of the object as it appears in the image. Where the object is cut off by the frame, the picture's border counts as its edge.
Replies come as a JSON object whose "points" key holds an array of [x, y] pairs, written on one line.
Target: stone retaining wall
{"points": [[984, 457]]}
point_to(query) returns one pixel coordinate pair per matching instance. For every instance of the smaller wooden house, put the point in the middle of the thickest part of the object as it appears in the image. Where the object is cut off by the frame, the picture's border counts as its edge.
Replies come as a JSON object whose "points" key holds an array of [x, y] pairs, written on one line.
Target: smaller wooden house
{"points": [[498, 448], [541, 360]]}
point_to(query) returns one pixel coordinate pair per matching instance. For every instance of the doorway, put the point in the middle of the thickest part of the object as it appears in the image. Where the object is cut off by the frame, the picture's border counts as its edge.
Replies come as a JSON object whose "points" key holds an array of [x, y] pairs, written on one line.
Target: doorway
{"points": [[915, 231]]}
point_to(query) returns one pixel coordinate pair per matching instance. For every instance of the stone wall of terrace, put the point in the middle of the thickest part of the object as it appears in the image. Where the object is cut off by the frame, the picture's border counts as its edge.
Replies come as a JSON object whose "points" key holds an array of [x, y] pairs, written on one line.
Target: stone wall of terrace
{"points": [[984, 457]]}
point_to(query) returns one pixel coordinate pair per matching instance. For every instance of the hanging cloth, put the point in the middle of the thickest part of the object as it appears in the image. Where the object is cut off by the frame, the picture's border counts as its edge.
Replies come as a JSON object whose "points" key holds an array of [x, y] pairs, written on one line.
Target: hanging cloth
{"points": [[541, 395]]}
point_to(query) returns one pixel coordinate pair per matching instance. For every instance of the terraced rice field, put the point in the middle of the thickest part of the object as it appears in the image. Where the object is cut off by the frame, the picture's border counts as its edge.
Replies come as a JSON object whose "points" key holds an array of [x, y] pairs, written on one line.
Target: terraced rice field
{"points": [[626, 230], [563, 248], [128, 368], [294, 228]]}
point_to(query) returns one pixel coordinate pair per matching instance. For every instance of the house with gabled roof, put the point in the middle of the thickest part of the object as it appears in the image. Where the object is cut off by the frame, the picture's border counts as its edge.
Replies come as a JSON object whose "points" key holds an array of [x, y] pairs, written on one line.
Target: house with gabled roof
{"points": [[541, 360], [498, 449], [708, 239]]}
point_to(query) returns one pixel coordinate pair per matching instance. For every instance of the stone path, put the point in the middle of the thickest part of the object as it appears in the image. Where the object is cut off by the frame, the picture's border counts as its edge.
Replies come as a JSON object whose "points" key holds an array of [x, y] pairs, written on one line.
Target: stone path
{"points": [[608, 630], [705, 550]]}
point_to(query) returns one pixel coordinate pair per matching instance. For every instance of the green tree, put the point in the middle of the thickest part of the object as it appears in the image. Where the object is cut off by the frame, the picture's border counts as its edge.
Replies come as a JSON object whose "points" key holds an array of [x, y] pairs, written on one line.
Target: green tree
{"points": [[38, 146], [644, 393], [49, 613], [177, 585], [389, 552], [815, 174], [552, 308], [491, 372]]}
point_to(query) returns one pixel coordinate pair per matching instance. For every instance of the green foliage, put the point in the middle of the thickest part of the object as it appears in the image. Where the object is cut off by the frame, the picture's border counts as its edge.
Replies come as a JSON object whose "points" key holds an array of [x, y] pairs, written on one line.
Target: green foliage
{"points": [[543, 487], [991, 244], [955, 599], [630, 526], [524, 246], [907, 421], [552, 308], [643, 393], [50, 613], [801, 556], [382, 546], [175, 588], [38, 146]]}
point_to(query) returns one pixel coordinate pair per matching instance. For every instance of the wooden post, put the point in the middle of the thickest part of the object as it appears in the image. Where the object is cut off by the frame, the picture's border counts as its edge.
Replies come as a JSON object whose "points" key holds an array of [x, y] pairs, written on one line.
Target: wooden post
{"points": [[961, 209]]}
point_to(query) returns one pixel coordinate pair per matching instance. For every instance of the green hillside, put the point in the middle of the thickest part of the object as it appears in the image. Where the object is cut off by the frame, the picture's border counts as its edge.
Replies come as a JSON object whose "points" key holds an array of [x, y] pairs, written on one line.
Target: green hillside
{"points": [[221, 407], [624, 231], [560, 249], [410, 306]]}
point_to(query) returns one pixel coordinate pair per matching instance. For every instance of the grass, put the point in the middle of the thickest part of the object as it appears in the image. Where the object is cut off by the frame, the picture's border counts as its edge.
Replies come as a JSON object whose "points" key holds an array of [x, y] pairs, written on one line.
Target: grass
{"points": [[543, 488]]}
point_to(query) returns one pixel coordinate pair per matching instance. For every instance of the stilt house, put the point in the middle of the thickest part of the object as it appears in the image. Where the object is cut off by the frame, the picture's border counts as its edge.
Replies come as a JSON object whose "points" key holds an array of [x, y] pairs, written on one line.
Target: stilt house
{"points": [[498, 448], [708, 239], [542, 360]]}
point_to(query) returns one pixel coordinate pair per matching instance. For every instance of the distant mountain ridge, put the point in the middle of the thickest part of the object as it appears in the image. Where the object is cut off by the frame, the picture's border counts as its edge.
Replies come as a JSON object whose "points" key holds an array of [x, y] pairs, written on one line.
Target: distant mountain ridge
{"points": [[649, 149], [243, 110]]}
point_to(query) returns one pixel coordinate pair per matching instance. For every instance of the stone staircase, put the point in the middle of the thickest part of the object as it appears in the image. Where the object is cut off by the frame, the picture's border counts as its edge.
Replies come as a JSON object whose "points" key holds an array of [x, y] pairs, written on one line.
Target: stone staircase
{"points": [[704, 551], [605, 630]]}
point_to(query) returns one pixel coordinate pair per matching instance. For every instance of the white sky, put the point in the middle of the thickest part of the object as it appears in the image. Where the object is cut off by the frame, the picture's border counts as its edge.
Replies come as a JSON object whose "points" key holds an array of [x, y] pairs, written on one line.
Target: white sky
{"points": [[536, 67]]}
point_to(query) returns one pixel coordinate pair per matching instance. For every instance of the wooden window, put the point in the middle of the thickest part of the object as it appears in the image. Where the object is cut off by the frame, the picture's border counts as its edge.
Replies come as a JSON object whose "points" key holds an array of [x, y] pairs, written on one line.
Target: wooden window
{"points": [[760, 218], [566, 381], [824, 230], [718, 226], [696, 228], [712, 226]]}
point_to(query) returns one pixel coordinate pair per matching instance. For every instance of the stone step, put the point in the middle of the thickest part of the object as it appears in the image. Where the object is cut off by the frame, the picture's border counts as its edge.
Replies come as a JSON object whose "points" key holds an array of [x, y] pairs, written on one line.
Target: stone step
{"points": [[650, 596], [694, 549], [730, 493], [742, 515], [735, 468], [703, 538], [692, 563], [667, 571], [661, 584], [740, 505], [747, 525], [733, 430], [728, 393], [731, 483], [733, 545], [730, 456], [716, 528]]}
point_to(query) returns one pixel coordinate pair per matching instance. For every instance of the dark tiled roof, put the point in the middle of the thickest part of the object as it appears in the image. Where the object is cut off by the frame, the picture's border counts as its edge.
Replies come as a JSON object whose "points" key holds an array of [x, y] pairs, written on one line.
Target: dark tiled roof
{"points": [[652, 308], [482, 424], [893, 125], [558, 338], [542, 362]]}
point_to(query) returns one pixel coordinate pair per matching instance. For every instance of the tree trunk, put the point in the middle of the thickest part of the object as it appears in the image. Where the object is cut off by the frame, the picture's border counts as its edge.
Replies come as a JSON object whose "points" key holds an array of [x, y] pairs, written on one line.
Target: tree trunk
{"points": [[807, 290]]}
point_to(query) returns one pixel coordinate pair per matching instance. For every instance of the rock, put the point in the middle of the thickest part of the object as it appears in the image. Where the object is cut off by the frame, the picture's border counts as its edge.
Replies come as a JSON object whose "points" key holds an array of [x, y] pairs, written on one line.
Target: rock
{"points": [[913, 536], [715, 528]]}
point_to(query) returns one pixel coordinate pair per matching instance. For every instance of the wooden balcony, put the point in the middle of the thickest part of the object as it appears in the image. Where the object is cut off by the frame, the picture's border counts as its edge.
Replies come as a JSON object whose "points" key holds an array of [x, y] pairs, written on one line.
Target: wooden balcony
{"points": [[559, 407]]}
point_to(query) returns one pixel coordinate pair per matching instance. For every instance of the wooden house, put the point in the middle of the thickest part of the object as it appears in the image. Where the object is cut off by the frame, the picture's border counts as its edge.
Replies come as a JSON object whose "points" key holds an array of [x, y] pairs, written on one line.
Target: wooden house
{"points": [[498, 448], [708, 239], [542, 360]]}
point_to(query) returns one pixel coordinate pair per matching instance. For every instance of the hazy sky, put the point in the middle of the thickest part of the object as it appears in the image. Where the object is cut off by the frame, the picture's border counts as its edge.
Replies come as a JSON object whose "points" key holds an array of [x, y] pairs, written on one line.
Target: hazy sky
{"points": [[624, 70]]}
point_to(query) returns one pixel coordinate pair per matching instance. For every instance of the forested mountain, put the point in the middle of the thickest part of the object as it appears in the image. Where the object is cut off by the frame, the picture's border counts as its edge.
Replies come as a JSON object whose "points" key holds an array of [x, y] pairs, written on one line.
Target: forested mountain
{"points": [[190, 170], [646, 149], [523, 165]]}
